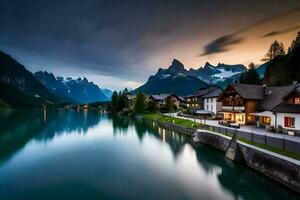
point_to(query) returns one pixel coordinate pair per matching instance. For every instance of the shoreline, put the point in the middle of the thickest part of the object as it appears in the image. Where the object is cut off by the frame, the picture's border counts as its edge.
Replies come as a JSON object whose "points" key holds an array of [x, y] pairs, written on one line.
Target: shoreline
{"points": [[279, 168]]}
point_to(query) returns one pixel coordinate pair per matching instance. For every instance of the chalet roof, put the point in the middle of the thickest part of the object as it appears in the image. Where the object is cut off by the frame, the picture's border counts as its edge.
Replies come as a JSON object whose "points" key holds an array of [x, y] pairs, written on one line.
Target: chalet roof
{"points": [[161, 97], [287, 108], [212, 92], [296, 90], [274, 96], [181, 98], [130, 97], [209, 92], [248, 91]]}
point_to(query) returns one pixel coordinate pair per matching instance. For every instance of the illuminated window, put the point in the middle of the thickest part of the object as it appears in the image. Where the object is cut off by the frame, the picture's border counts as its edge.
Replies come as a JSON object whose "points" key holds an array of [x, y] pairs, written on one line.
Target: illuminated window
{"points": [[289, 122], [266, 120], [297, 100], [240, 117]]}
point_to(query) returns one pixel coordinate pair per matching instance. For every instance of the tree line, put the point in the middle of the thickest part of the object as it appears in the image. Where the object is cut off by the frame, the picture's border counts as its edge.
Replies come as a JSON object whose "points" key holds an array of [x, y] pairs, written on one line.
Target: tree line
{"points": [[275, 50], [121, 103]]}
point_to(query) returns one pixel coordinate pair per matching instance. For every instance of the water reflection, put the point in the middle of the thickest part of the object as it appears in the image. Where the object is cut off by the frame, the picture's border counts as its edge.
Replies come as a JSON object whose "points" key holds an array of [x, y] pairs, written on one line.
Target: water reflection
{"points": [[20, 127], [241, 181]]}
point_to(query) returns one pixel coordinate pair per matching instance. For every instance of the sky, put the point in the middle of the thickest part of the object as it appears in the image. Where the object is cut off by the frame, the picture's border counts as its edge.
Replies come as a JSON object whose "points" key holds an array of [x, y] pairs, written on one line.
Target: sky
{"points": [[120, 43]]}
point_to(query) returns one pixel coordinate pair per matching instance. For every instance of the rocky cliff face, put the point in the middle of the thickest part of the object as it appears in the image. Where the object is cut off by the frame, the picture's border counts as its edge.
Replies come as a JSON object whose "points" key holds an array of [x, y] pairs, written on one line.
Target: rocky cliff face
{"points": [[19, 87], [72, 90]]}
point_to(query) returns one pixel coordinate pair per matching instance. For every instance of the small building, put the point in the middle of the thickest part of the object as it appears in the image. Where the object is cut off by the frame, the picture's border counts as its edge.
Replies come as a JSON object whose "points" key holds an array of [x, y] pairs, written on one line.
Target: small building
{"points": [[239, 101], [210, 100], [287, 113], [194, 102], [161, 100], [130, 99], [273, 96], [204, 102]]}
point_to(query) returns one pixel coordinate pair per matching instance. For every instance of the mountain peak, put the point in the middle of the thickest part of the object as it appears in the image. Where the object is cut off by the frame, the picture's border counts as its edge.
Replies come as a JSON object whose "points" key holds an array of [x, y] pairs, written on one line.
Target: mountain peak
{"points": [[176, 65], [207, 64], [84, 80]]}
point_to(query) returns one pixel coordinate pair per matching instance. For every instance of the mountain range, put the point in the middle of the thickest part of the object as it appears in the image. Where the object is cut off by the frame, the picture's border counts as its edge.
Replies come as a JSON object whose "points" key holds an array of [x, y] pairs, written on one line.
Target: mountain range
{"points": [[20, 88], [78, 90], [177, 79]]}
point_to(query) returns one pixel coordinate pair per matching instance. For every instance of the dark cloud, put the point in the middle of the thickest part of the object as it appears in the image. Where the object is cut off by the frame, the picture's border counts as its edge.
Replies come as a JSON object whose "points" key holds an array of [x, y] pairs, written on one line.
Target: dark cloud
{"points": [[119, 38], [279, 32], [221, 44]]}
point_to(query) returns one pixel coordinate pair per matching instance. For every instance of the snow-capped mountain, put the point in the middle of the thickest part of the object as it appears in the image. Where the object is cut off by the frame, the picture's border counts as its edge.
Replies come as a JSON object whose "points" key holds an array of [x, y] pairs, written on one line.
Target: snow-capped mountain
{"points": [[216, 74], [174, 79], [72, 90], [182, 82]]}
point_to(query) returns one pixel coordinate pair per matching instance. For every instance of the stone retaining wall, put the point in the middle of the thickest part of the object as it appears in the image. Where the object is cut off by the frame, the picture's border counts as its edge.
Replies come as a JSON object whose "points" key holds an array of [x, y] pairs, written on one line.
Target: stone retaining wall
{"points": [[281, 170], [176, 128]]}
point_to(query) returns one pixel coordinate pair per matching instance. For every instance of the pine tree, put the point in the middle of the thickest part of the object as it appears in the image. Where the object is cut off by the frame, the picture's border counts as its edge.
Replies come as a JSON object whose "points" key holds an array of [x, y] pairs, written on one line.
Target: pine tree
{"points": [[169, 103], [140, 103], [276, 49], [125, 91], [295, 42], [152, 107], [114, 101], [122, 102], [251, 76]]}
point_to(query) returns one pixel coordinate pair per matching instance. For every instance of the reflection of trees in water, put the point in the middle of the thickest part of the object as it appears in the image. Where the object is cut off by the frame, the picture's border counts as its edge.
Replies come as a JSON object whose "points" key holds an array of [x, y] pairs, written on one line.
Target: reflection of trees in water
{"points": [[175, 140], [120, 124], [17, 127], [240, 181], [59, 122]]}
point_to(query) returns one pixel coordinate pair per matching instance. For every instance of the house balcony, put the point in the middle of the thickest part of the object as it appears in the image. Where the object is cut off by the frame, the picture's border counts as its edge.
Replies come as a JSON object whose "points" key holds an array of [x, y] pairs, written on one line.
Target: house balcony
{"points": [[233, 108]]}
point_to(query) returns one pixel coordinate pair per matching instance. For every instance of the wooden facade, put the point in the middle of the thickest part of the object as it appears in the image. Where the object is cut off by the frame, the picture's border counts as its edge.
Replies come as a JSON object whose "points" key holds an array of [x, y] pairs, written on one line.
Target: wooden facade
{"points": [[237, 109], [194, 102]]}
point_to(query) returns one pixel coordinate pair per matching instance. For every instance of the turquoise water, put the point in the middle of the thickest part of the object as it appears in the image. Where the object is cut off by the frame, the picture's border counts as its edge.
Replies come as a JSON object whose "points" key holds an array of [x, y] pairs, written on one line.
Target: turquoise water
{"points": [[89, 155]]}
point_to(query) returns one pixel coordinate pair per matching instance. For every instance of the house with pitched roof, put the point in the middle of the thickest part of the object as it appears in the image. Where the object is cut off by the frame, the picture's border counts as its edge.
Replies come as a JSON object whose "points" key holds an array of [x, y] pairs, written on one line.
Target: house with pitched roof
{"points": [[287, 113], [239, 101], [204, 102], [130, 99], [275, 108], [160, 100]]}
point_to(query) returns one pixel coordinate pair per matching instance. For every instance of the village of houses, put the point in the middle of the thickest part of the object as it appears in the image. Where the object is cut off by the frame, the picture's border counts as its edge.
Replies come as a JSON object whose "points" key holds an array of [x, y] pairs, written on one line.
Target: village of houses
{"points": [[265, 110]]}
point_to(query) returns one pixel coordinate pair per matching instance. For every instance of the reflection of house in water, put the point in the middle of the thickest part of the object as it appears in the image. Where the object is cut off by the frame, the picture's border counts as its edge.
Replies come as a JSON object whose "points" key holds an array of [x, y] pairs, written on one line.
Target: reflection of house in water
{"points": [[175, 140]]}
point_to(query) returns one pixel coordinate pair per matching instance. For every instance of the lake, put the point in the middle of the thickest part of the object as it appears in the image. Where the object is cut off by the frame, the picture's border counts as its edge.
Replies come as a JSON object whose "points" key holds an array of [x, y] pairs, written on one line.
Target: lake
{"points": [[91, 155]]}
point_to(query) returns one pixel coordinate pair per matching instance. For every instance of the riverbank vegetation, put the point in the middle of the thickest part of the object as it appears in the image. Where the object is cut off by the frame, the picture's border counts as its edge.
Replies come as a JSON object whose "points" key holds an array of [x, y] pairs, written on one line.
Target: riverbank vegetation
{"points": [[125, 103], [162, 118]]}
